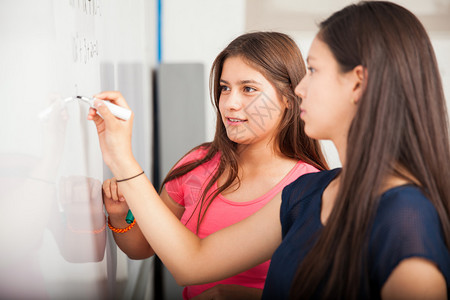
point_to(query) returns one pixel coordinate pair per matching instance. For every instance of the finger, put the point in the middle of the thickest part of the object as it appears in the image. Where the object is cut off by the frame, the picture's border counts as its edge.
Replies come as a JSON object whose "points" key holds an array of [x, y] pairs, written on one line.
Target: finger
{"points": [[119, 194], [109, 95], [106, 188], [113, 96], [113, 187], [98, 121], [104, 111], [92, 113]]}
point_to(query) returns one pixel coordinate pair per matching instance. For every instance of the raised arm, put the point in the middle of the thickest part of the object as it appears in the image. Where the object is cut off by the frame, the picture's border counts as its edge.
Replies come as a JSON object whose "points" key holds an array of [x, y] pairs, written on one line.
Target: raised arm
{"points": [[220, 255], [189, 259]]}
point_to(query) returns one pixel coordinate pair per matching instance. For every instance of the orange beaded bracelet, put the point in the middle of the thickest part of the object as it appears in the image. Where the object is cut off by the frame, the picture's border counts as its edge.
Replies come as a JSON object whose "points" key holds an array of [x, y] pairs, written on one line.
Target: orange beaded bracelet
{"points": [[121, 230]]}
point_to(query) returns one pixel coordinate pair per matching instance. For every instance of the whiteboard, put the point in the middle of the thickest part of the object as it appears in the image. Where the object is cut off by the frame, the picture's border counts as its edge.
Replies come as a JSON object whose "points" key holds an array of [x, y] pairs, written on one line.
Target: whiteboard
{"points": [[54, 233]]}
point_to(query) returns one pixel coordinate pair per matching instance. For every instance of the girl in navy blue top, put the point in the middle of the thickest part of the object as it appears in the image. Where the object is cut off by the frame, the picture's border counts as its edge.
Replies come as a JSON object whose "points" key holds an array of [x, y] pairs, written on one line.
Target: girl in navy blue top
{"points": [[406, 225], [380, 227], [377, 228]]}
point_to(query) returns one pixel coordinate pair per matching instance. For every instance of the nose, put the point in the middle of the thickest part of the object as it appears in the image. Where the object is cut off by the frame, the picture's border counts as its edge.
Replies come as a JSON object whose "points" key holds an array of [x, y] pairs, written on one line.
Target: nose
{"points": [[232, 101], [300, 88]]}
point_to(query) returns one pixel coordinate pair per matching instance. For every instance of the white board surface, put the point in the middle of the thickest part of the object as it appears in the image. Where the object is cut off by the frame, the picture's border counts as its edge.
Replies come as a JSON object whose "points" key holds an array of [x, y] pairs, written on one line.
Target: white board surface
{"points": [[53, 237]]}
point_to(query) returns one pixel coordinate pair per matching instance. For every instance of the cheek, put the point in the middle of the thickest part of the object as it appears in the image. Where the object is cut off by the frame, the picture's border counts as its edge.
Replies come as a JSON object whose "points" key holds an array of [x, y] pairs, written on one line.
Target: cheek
{"points": [[221, 107], [318, 117], [263, 111]]}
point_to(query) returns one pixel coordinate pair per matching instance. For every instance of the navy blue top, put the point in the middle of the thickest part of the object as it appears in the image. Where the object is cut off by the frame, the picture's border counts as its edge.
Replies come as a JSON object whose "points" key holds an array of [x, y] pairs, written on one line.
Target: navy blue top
{"points": [[406, 225]]}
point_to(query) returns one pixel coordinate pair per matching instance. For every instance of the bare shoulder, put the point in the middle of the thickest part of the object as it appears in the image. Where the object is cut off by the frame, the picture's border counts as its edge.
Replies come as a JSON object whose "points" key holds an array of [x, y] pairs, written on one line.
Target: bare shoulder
{"points": [[415, 278]]}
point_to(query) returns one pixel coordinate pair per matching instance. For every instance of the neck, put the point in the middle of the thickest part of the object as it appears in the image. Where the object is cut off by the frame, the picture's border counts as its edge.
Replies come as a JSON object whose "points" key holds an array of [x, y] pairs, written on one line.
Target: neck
{"points": [[258, 155], [341, 146]]}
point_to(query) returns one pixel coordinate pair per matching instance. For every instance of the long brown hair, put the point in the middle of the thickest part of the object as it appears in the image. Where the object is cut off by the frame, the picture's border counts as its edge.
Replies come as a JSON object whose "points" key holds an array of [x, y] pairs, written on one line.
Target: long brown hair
{"points": [[401, 125], [278, 58]]}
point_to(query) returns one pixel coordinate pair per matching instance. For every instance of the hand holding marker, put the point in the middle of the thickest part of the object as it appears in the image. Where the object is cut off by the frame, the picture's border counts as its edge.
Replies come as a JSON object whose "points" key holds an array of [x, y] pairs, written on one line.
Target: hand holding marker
{"points": [[118, 111], [121, 113]]}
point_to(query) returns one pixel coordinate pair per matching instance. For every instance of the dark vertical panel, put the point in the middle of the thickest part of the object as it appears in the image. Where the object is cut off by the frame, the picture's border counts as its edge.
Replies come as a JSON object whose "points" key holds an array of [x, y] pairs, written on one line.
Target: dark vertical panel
{"points": [[180, 126]]}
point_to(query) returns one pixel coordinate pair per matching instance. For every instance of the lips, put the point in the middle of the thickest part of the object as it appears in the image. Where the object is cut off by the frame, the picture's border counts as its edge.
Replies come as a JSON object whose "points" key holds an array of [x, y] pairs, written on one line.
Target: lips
{"points": [[235, 121], [302, 112]]}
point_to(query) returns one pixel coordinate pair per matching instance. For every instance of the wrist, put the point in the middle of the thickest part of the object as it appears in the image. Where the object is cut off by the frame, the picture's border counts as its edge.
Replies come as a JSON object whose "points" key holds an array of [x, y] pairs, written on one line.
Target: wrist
{"points": [[118, 221], [125, 168]]}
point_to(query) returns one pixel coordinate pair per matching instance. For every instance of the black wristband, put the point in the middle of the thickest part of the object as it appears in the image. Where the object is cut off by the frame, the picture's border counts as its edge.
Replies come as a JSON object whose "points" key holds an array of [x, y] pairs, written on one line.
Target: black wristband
{"points": [[130, 177]]}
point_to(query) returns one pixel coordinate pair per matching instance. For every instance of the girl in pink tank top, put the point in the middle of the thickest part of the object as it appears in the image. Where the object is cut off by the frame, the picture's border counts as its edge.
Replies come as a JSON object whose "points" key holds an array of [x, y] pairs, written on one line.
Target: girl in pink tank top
{"points": [[259, 147]]}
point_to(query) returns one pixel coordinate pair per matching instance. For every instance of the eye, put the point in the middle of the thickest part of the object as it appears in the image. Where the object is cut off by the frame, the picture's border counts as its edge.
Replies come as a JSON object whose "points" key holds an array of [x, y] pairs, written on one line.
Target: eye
{"points": [[224, 88], [311, 70], [248, 89]]}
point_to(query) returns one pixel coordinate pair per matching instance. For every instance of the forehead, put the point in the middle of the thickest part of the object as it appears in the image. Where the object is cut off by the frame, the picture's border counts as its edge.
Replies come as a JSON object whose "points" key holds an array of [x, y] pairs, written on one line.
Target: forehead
{"points": [[236, 67], [319, 52]]}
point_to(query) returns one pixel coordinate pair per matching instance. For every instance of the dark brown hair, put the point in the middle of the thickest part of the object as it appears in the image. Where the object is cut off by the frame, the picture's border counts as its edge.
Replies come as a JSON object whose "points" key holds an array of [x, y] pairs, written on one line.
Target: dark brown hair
{"points": [[278, 58], [400, 128]]}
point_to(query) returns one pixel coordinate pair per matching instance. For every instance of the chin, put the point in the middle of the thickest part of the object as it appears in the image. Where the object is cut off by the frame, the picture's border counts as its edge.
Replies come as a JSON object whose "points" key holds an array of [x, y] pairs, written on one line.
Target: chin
{"points": [[242, 140], [314, 135]]}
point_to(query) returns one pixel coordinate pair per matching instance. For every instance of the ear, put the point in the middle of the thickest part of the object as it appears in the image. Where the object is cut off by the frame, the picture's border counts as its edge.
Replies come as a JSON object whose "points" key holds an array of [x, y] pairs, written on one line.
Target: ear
{"points": [[360, 79], [284, 101]]}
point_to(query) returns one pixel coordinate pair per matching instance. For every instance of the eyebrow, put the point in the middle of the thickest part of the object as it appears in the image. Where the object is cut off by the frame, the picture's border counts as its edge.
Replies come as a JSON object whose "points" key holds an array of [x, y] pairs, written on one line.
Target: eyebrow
{"points": [[243, 81], [309, 58]]}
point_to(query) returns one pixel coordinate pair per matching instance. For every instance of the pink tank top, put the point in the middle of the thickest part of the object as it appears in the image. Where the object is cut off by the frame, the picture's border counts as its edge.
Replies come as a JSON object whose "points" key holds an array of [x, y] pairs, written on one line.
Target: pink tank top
{"points": [[187, 190]]}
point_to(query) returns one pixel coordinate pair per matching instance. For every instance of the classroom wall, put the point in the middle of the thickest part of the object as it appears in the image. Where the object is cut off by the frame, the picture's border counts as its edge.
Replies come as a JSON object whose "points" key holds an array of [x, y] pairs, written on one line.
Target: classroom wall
{"points": [[54, 242]]}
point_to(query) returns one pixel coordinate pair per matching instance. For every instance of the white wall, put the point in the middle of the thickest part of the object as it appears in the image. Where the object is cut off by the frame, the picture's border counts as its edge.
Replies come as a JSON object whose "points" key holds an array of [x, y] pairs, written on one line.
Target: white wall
{"points": [[54, 238]]}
